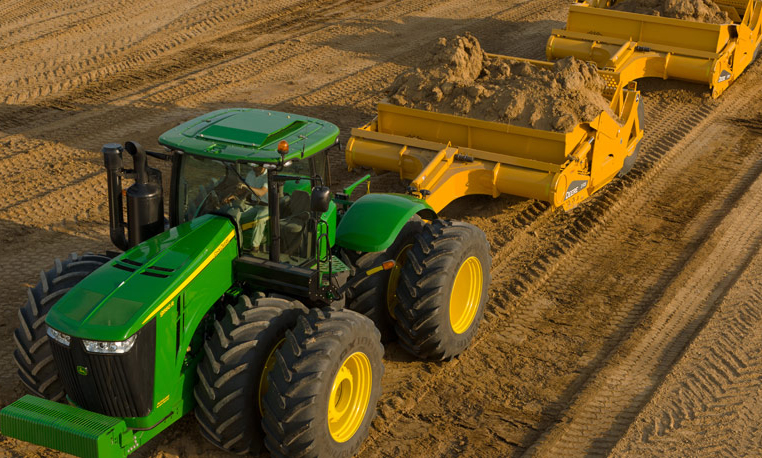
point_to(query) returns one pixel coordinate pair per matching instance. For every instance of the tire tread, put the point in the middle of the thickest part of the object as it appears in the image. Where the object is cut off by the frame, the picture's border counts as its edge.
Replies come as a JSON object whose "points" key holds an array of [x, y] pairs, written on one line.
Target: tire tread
{"points": [[33, 354]]}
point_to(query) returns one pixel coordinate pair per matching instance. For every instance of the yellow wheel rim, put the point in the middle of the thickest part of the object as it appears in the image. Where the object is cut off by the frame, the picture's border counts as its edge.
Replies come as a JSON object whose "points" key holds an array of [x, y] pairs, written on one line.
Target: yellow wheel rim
{"points": [[350, 395], [394, 279], [269, 364], [466, 295]]}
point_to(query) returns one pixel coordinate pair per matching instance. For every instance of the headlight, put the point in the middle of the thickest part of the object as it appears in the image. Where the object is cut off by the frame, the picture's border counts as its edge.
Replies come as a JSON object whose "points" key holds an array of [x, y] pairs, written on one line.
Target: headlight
{"points": [[59, 337], [99, 346]]}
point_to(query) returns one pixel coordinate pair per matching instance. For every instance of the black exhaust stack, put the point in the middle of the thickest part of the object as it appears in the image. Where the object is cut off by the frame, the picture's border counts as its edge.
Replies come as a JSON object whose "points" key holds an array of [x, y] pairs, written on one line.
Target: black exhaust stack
{"points": [[145, 204], [112, 158]]}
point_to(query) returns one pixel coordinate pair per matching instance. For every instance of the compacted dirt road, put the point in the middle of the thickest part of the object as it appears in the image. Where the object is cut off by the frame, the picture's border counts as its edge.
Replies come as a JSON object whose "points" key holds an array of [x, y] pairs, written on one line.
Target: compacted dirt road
{"points": [[628, 327]]}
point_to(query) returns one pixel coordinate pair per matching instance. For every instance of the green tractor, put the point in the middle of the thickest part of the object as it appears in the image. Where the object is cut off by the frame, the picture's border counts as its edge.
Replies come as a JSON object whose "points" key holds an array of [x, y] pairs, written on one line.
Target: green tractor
{"points": [[259, 303]]}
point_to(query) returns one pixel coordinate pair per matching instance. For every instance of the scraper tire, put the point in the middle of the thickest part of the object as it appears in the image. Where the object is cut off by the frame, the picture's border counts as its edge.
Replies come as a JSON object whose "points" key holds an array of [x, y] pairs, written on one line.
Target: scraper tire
{"points": [[232, 377], [33, 354]]}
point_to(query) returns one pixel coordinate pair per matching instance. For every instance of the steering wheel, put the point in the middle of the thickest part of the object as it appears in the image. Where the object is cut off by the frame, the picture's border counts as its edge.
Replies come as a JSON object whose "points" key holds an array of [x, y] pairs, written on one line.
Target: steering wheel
{"points": [[202, 204], [259, 200]]}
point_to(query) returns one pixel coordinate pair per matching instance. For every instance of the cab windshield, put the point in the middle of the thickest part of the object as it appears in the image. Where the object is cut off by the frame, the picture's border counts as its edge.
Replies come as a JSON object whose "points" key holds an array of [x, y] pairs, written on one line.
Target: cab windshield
{"points": [[240, 190]]}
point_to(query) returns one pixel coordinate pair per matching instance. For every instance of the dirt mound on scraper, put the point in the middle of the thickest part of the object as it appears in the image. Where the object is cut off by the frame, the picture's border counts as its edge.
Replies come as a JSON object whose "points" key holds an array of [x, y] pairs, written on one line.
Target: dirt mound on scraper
{"points": [[690, 10], [459, 78]]}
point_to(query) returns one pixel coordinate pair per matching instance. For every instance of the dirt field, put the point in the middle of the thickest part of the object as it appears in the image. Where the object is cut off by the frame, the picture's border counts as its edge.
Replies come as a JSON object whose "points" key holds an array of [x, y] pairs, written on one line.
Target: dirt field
{"points": [[629, 327]]}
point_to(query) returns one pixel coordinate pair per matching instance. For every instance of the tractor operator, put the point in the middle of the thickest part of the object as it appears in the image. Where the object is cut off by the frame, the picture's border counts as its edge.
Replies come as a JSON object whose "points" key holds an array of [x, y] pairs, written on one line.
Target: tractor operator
{"points": [[251, 210]]}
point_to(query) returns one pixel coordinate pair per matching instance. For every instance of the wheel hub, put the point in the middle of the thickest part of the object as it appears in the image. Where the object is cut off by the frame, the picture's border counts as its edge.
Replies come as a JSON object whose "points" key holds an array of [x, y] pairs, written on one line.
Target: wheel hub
{"points": [[350, 394], [466, 295]]}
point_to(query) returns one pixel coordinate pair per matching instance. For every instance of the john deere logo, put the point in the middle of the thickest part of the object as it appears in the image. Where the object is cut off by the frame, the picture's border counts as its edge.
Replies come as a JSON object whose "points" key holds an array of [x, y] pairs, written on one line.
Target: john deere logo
{"points": [[81, 370], [574, 188]]}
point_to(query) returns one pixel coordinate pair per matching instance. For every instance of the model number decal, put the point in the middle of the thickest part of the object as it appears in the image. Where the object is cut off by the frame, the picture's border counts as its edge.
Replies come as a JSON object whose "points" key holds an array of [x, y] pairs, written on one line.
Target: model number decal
{"points": [[166, 309], [574, 188]]}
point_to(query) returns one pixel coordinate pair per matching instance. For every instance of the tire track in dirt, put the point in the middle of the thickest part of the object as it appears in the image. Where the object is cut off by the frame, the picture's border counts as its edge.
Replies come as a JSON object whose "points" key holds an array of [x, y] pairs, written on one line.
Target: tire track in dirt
{"points": [[183, 77], [12, 13], [72, 19], [713, 393], [87, 70], [610, 400]]}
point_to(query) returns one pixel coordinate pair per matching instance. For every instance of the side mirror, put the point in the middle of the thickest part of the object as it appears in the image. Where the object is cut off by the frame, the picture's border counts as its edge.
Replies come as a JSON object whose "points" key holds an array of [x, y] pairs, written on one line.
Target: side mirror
{"points": [[321, 199]]}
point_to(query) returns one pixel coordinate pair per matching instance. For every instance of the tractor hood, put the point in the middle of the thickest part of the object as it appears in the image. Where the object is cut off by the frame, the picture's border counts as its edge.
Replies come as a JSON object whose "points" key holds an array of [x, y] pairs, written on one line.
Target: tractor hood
{"points": [[115, 301]]}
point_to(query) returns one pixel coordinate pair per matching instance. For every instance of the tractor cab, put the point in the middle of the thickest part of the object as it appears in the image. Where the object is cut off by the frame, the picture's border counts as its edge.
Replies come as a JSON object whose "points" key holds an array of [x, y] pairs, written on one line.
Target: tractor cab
{"points": [[267, 172], [242, 191]]}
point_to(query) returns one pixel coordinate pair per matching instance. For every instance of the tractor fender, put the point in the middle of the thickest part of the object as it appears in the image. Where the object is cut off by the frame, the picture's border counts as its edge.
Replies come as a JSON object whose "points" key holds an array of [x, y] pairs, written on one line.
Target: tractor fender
{"points": [[373, 222]]}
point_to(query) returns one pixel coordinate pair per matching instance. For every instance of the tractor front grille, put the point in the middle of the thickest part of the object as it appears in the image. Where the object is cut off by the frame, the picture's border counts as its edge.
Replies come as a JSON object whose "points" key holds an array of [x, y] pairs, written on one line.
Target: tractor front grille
{"points": [[119, 385]]}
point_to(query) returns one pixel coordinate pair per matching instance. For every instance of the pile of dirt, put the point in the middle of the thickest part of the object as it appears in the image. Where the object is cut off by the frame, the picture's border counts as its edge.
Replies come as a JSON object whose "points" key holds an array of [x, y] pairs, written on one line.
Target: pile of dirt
{"points": [[705, 11], [459, 78]]}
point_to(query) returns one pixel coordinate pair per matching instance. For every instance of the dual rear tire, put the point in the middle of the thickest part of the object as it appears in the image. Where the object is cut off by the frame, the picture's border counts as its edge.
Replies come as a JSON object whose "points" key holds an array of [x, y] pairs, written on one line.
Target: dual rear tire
{"points": [[434, 298], [375, 296]]}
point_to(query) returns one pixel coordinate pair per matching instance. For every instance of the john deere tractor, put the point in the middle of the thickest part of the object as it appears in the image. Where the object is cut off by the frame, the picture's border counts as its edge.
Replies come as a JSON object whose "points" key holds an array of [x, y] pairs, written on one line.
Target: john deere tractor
{"points": [[258, 304]]}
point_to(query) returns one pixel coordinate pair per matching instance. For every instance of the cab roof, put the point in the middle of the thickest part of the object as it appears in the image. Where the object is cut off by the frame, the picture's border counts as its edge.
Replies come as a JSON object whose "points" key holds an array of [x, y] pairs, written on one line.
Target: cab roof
{"points": [[251, 135]]}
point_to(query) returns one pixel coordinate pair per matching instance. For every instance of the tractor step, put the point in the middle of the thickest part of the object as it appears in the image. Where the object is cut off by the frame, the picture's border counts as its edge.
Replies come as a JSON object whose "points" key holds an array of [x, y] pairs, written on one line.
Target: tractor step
{"points": [[66, 428]]}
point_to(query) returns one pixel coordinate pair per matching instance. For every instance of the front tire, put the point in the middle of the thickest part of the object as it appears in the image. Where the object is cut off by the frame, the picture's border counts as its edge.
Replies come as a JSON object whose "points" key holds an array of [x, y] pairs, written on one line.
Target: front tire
{"points": [[233, 374], [324, 387], [33, 354], [443, 290]]}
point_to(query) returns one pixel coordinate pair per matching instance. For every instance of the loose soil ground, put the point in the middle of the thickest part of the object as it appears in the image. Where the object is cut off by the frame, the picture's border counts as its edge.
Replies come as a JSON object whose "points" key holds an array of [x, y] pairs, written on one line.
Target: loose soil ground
{"points": [[629, 326]]}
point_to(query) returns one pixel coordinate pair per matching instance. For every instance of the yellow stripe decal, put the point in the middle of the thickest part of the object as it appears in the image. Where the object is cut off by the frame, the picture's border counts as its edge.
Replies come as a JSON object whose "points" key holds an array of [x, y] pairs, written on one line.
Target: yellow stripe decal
{"points": [[192, 276], [161, 403]]}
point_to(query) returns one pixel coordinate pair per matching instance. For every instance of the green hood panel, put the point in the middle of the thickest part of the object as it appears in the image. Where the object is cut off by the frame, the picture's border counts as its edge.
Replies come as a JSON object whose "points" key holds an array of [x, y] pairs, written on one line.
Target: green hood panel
{"points": [[116, 300], [374, 220], [247, 134]]}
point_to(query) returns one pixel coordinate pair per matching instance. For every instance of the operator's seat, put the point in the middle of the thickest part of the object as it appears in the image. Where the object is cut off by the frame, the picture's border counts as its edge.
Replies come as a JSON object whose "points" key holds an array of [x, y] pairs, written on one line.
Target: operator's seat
{"points": [[294, 239]]}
